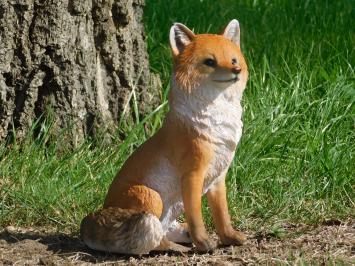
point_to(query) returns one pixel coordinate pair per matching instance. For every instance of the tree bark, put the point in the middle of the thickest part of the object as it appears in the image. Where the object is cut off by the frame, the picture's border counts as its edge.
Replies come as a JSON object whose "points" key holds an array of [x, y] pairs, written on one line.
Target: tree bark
{"points": [[77, 61]]}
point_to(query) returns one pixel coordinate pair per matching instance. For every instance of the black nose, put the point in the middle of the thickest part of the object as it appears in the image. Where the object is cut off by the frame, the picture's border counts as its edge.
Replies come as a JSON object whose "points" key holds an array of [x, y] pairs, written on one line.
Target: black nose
{"points": [[236, 70]]}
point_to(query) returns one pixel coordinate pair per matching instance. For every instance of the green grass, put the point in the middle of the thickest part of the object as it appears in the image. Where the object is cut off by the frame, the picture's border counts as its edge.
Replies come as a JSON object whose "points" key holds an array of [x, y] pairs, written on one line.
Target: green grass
{"points": [[295, 161]]}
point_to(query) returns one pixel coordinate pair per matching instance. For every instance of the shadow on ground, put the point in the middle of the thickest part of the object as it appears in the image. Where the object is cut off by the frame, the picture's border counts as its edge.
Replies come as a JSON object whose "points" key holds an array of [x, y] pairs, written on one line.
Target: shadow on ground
{"points": [[35, 242], [329, 243]]}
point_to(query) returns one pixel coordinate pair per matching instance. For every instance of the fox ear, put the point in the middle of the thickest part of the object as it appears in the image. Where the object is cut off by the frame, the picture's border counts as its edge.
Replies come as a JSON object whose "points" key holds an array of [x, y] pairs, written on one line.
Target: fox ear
{"points": [[232, 31], [180, 36]]}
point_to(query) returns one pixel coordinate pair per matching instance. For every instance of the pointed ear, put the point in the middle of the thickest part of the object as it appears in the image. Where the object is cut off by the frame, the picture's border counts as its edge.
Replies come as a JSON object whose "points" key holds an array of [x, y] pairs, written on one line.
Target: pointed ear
{"points": [[232, 31], [180, 36]]}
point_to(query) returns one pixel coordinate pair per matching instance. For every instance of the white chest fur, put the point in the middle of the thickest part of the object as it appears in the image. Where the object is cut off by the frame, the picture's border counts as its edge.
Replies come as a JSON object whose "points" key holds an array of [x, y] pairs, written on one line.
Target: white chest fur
{"points": [[214, 113]]}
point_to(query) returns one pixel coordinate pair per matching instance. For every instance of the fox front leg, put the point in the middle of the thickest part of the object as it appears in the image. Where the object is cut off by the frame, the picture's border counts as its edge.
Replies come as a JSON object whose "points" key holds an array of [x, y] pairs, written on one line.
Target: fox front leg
{"points": [[192, 181], [217, 200], [191, 192]]}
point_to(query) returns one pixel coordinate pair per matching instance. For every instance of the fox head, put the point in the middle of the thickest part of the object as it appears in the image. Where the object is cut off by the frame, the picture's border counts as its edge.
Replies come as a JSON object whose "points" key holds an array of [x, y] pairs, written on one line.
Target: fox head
{"points": [[212, 59]]}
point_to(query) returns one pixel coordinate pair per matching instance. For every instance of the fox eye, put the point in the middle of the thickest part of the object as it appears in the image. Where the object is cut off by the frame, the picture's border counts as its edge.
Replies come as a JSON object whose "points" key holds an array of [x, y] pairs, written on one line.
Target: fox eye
{"points": [[234, 61], [210, 62]]}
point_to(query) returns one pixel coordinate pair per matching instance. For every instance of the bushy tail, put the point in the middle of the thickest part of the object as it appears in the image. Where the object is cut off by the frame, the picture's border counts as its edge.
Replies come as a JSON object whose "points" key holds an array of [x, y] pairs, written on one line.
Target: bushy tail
{"points": [[121, 231]]}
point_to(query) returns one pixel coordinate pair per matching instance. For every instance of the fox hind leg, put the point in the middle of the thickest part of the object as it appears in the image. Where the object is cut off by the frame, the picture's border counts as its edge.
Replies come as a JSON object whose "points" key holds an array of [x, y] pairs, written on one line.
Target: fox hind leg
{"points": [[167, 245]]}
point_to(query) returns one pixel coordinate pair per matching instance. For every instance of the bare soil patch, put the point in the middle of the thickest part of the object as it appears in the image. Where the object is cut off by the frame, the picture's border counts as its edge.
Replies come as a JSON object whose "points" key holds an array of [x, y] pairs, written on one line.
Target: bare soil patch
{"points": [[329, 243]]}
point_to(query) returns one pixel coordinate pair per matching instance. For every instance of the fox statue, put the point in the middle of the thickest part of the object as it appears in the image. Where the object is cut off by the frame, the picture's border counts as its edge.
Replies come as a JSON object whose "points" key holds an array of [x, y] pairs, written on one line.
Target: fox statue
{"points": [[188, 156]]}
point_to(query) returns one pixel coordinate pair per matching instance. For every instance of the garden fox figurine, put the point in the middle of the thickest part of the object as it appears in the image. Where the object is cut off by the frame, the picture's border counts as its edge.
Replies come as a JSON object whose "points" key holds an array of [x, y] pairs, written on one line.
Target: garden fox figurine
{"points": [[188, 157]]}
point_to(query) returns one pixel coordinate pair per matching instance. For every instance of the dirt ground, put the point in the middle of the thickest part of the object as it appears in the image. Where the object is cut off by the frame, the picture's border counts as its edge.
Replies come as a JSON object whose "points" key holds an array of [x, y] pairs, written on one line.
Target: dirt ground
{"points": [[331, 243]]}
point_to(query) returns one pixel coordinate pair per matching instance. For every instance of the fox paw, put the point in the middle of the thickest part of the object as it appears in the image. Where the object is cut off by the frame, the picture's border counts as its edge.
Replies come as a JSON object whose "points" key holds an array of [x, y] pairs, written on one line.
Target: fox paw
{"points": [[234, 238], [178, 233], [205, 245]]}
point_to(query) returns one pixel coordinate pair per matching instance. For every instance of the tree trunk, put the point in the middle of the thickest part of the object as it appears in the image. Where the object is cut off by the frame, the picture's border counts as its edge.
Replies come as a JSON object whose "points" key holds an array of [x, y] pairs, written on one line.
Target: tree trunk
{"points": [[79, 60]]}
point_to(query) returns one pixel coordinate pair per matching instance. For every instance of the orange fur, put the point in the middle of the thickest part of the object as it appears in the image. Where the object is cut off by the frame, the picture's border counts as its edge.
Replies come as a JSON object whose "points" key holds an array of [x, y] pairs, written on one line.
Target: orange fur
{"points": [[135, 197], [188, 66]]}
